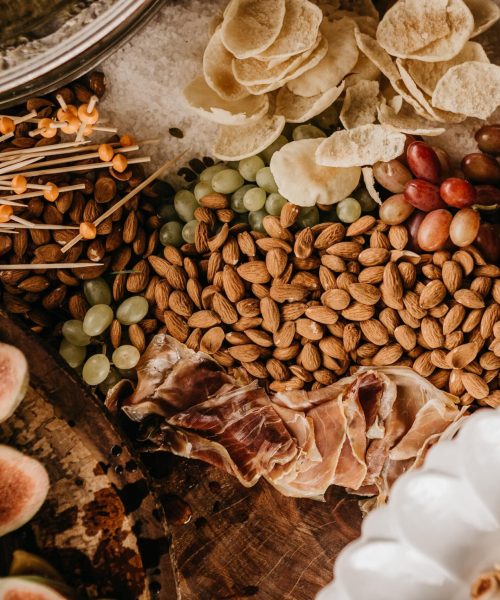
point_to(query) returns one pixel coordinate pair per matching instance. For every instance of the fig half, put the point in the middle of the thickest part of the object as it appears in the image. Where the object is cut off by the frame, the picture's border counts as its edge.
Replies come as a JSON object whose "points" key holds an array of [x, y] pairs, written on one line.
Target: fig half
{"points": [[14, 377], [24, 484], [17, 588]]}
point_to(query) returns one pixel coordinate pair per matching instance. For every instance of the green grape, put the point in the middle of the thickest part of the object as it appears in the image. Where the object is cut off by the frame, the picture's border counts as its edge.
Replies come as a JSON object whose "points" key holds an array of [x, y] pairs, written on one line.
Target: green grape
{"points": [[232, 164], [237, 198], [202, 189], [328, 118], [227, 181], [167, 212], [274, 204], [171, 234], [254, 199], [189, 231], [73, 355], [348, 210], [305, 132], [98, 318], [308, 216], [73, 332], [126, 357], [111, 380], [132, 310], [265, 180], [207, 175], [274, 147], [97, 291], [255, 219], [96, 369], [367, 203], [185, 204], [248, 167]]}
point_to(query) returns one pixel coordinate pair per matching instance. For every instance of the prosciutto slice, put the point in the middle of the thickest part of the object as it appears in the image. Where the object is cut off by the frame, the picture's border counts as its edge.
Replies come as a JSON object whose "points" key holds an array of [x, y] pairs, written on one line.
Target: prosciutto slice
{"points": [[360, 433]]}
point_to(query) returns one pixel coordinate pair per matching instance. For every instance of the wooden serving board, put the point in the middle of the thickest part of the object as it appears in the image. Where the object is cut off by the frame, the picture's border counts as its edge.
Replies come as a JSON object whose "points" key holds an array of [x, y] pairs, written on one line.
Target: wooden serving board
{"points": [[101, 525]]}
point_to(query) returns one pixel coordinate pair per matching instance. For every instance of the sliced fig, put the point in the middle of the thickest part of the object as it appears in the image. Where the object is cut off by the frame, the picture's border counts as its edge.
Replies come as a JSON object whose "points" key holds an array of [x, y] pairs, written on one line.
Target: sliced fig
{"points": [[18, 588], [24, 484], [14, 376]]}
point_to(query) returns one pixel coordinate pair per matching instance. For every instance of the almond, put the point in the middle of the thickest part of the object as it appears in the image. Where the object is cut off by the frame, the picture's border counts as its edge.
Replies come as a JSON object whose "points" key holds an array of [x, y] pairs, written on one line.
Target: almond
{"points": [[387, 355], [245, 352], [398, 236], [452, 275], [362, 225], [267, 243], [137, 337], [78, 307], [278, 370], [336, 299], [472, 320], [334, 263], [259, 337], [432, 295], [310, 357], [461, 356], [204, 319], [347, 250], [372, 257], [322, 314], [214, 201], [194, 339], [234, 286], [224, 308], [333, 347], [270, 314], [292, 311], [288, 353], [392, 281], [406, 337], [439, 358], [283, 337], [364, 293], [326, 278], [465, 260], [358, 312], [332, 234], [475, 386], [423, 364], [309, 329], [283, 292], [254, 272], [273, 227], [193, 288], [115, 333], [276, 261], [246, 244], [138, 280], [493, 399], [489, 361], [215, 263], [218, 240], [375, 332], [256, 369], [34, 284], [289, 215], [176, 326], [249, 307], [231, 252], [304, 243], [490, 316], [161, 293], [201, 239], [408, 274]]}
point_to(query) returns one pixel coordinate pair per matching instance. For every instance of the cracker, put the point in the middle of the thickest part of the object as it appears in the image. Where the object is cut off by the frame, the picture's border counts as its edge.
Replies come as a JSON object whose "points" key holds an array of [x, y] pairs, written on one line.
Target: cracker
{"points": [[251, 26], [363, 70], [240, 141], [341, 57], [360, 104], [485, 12], [362, 146], [369, 181], [407, 121], [212, 107], [298, 109], [218, 71], [473, 88], [429, 30], [303, 182], [299, 31], [426, 75]]}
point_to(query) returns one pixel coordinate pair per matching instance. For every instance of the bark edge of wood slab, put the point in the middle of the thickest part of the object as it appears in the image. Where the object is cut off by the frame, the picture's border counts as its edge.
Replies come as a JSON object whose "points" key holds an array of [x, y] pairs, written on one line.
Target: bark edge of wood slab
{"points": [[101, 525]]}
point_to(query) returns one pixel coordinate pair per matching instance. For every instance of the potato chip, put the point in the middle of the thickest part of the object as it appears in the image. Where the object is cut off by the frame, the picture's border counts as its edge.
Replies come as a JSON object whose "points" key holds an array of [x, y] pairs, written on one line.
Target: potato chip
{"points": [[298, 33], [426, 75], [369, 181], [378, 56], [211, 106], [235, 142], [429, 30], [363, 70], [309, 60], [218, 71], [341, 57], [360, 104], [364, 145], [473, 88], [406, 120], [424, 101], [298, 109], [485, 12], [303, 182], [251, 26], [396, 103]]}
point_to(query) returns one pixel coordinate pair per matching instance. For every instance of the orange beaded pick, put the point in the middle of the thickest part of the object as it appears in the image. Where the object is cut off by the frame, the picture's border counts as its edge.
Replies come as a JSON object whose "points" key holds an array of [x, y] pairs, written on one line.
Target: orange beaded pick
{"points": [[72, 124], [105, 152], [44, 127], [87, 117], [64, 113], [119, 163], [52, 194], [19, 184], [6, 213], [6, 125], [127, 140], [88, 230]]}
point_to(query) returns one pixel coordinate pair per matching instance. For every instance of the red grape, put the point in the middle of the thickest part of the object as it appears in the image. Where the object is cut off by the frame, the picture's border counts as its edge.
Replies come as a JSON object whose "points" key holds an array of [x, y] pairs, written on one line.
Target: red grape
{"points": [[458, 193], [434, 230], [481, 168], [465, 227], [488, 139], [424, 162], [444, 159], [413, 225], [395, 210], [488, 241], [487, 195], [423, 195]]}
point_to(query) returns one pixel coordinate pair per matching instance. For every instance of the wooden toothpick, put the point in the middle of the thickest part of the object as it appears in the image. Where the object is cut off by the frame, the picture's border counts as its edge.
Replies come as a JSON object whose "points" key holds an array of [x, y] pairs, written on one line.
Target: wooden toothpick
{"points": [[126, 198], [44, 266], [49, 226]]}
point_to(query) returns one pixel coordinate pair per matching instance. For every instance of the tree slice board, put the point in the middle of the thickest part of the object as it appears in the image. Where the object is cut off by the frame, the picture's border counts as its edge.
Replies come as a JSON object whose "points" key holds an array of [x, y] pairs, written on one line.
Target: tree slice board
{"points": [[101, 525]]}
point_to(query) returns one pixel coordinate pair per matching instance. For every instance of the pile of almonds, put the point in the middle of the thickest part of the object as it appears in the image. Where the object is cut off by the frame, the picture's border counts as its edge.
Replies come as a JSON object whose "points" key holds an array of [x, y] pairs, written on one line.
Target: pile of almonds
{"points": [[300, 308]]}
